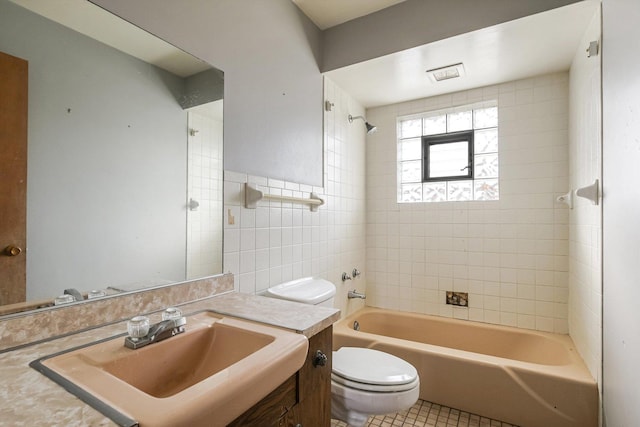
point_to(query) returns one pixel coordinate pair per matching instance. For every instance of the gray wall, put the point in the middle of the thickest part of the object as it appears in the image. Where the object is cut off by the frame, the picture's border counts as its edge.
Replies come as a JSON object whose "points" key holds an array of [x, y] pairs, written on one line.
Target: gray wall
{"points": [[202, 88], [417, 22], [269, 52], [106, 191], [621, 198]]}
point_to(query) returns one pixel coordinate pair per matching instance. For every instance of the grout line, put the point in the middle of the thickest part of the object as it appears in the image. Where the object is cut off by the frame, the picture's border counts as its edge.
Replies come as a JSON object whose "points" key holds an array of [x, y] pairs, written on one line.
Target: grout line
{"points": [[434, 415]]}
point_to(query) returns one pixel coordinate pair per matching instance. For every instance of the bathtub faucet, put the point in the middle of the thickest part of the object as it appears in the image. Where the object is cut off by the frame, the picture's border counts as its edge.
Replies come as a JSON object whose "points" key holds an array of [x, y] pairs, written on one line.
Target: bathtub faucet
{"points": [[355, 294]]}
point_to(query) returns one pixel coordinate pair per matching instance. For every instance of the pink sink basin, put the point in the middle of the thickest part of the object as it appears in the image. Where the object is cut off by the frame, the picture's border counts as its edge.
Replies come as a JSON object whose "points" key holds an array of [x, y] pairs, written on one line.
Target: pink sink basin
{"points": [[206, 376]]}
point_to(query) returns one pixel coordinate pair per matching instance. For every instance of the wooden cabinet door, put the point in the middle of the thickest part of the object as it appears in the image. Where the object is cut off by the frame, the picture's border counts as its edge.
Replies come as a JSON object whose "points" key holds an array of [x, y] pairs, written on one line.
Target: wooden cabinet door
{"points": [[13, 178], [314, 386]]}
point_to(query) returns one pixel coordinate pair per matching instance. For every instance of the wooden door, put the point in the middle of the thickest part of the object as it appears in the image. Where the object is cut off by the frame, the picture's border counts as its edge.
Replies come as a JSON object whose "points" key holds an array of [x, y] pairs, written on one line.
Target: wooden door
{"points": [[13, 178]]}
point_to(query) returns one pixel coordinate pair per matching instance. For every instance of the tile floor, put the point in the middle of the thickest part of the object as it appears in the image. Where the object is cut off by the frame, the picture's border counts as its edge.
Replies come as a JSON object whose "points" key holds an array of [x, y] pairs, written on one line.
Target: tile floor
{"points": [[427, 414]]}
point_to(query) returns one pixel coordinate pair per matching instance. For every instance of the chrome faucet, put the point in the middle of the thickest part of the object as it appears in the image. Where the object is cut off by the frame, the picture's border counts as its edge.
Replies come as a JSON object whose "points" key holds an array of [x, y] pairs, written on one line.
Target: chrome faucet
{"points": [[355, 294], [141, 334]]}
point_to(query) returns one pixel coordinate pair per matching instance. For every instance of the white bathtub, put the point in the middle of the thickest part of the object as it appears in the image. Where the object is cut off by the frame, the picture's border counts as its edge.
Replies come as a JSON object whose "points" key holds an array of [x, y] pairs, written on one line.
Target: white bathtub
{"points": [[523, 377]]}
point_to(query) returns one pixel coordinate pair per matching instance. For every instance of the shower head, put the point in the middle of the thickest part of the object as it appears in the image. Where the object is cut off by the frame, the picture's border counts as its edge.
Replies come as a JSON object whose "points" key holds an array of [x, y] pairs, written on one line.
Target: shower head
{"points": [[370, 128]]}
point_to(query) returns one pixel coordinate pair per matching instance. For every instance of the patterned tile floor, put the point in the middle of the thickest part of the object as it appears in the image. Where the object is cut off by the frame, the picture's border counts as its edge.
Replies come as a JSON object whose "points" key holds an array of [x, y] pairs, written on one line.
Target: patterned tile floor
{"points": [[427, 414]]}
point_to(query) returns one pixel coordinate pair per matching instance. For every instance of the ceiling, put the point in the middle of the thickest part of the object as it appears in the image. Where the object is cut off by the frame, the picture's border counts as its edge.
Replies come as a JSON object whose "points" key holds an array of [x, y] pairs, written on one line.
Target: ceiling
{"points": [[329, 13], [534, 45], [530, 46]]}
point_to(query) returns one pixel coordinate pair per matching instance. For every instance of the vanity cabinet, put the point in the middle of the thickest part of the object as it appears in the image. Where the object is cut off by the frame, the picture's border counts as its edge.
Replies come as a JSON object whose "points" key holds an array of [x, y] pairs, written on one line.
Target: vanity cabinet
{"points": [[304, 399]]}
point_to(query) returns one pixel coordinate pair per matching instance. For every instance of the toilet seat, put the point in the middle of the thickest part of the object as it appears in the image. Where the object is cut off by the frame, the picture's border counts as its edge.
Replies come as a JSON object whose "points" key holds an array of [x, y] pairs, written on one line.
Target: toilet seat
{"points": [[374, 387], [372, 370]]}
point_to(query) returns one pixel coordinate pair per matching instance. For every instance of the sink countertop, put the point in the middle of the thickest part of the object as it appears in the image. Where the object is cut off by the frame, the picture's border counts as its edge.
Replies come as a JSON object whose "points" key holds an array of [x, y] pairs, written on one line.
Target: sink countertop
{"points": [[28, 398]]}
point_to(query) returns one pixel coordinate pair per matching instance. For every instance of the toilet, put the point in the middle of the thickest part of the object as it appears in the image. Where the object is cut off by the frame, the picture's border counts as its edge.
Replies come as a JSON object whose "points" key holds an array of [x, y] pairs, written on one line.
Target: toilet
{"points": [[364, 381]]}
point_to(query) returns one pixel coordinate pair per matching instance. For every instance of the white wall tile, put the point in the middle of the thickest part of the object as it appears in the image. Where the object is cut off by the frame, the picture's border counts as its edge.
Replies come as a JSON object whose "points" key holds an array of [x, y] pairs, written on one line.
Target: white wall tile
{"points": [[495, 250], [582, 292], [262, 238], [262, 217], [262, 259], [247, 262], [247, 283], [247, 239]]}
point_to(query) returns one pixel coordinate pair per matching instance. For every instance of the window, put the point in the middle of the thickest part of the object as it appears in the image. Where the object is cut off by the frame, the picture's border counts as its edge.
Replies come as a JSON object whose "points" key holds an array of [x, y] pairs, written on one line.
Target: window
{"points": [[449, 155]]}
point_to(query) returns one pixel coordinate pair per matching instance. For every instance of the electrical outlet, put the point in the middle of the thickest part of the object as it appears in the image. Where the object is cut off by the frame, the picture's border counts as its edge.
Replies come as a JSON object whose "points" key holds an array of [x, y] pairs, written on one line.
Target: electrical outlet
{"points": [[460, 299]]}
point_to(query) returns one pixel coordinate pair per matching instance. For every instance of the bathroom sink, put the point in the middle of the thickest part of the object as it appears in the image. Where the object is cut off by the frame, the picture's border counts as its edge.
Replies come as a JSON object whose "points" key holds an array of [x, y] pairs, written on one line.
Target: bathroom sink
{"points": [[208, 375]]}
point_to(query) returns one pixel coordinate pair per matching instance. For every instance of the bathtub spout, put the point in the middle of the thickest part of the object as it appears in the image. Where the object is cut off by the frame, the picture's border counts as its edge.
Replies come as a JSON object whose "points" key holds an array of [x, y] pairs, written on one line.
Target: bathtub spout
{"points": [[354, 294]]}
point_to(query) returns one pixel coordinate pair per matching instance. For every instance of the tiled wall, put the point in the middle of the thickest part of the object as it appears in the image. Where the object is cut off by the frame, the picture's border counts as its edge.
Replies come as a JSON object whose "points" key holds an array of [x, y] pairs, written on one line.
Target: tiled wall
{"points": [[277, 241], [511, 255], [204, 223], [585, 148]]}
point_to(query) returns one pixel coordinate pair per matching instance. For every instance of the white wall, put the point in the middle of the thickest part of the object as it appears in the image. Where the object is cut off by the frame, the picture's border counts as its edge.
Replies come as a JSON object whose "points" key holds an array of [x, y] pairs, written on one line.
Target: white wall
{"points": [[269, 52], [585, 164], [621, 204], [510, 255], [278, 242]]}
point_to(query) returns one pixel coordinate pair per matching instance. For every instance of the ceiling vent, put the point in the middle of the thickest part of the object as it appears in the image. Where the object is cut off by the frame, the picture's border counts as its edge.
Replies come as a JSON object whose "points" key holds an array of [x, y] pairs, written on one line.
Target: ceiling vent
{"points": [[445, 73]]}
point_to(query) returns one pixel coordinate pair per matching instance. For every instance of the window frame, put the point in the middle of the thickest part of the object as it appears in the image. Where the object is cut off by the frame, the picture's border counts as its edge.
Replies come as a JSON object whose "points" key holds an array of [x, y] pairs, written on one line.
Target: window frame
{"points": [[448, 138]]}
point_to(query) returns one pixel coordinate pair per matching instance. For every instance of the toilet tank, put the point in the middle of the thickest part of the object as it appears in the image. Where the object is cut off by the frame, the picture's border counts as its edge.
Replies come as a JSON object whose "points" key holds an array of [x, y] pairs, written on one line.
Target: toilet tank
{"points": [[308, 290]]}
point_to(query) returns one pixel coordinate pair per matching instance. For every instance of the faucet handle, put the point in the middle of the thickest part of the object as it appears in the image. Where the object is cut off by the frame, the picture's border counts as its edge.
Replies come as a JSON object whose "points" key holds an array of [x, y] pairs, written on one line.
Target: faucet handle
{"points": [[171, 313], [345, 277], [138, 327], [355, 273]]}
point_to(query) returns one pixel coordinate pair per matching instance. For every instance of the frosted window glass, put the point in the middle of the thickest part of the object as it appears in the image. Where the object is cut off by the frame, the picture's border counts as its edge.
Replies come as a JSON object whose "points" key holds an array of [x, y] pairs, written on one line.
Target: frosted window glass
{"points": [[458, 191], [411, 149], [485, 118], [411, 192], [485, 141], [412, 171], [450, 159], [486, 166], [434, 125], [411, 128], [434, 191], [459, 121], [486, 189]]}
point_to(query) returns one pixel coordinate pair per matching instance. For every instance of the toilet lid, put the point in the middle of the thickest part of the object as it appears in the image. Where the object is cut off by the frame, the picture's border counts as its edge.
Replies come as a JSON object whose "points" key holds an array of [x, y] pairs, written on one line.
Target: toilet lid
{"points": [[372, 367]]}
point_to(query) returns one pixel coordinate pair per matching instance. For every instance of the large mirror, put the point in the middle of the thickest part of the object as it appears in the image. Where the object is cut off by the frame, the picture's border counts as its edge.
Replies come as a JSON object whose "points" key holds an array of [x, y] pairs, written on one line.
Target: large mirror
{"points": [[124, 175]]}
